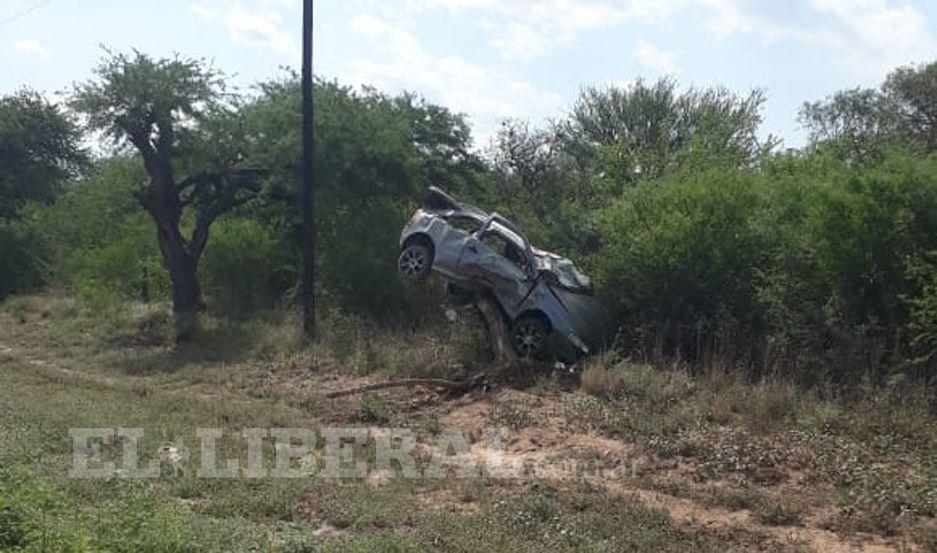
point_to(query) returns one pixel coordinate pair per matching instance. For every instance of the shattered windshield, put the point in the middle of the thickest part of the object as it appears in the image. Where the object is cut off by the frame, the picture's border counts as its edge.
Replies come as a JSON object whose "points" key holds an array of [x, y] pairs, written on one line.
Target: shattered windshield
{"points": [[564, 272], [570, 276]]}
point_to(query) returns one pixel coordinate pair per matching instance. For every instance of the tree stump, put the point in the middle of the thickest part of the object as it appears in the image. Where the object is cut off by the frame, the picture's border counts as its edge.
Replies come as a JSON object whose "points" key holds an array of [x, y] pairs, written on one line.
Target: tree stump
{"points": [[499, 335]]}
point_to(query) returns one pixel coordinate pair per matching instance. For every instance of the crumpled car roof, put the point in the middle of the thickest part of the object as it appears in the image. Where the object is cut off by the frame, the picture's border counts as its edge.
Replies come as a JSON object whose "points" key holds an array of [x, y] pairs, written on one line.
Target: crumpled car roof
{"points": [[434, 199], [438, 201]]}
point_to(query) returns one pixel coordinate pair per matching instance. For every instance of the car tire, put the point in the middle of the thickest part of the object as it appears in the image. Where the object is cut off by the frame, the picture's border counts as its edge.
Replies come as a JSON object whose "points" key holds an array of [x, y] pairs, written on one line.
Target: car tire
{"points": [[529, 336], [415, 262]]}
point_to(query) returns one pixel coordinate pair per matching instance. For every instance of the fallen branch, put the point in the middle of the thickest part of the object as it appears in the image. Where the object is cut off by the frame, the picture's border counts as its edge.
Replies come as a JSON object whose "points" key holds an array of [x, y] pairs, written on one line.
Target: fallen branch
{"points": [[453, 387]]}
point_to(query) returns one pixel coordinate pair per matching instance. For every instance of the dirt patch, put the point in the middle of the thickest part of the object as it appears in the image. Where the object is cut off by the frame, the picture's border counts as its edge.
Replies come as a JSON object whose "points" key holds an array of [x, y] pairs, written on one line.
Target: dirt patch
{"points": [[549, 438], [446, 499]]}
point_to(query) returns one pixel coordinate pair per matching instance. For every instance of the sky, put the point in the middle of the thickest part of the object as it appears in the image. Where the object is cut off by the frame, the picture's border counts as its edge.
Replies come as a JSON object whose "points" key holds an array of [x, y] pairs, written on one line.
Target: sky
{"points": [[491, 59]]}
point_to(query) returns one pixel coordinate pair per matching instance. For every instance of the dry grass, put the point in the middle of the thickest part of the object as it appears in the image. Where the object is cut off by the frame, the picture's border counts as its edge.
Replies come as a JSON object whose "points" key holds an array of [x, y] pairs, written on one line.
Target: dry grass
{"points": [[722, 443]]}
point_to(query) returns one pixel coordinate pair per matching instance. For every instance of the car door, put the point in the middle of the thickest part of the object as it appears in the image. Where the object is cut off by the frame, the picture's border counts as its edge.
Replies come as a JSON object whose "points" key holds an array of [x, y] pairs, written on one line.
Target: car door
{"points": [[483, 259]]}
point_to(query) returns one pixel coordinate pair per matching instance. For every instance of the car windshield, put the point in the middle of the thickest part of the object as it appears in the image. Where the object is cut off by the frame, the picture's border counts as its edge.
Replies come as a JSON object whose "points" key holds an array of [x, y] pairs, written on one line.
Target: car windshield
{"points": [[564, 272], [570, 276]]}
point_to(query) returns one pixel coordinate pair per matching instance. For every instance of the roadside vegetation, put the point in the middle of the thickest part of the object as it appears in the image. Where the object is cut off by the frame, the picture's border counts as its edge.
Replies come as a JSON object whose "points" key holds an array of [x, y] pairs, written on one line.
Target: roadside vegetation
{"points": [[694, 459], [772, 377]]}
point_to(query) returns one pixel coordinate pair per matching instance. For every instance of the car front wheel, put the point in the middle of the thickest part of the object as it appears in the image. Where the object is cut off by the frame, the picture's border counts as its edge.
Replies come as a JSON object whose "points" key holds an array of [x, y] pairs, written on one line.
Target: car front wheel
{"points": [[529, 335]]}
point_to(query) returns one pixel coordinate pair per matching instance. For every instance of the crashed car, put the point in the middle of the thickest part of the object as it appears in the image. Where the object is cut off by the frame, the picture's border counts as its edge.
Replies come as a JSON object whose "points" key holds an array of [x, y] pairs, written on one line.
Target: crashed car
{"points": [[546, 300]]}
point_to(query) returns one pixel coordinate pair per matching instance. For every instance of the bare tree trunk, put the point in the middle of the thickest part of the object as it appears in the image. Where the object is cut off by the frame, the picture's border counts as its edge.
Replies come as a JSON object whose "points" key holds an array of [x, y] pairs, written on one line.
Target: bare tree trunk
{"points": [[498, 333], [183, 268], [161, 199], [145, 282]]}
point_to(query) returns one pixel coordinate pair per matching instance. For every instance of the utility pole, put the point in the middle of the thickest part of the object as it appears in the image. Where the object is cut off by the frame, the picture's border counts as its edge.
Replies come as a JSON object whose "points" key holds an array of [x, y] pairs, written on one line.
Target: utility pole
{"points": [[308, 196]]}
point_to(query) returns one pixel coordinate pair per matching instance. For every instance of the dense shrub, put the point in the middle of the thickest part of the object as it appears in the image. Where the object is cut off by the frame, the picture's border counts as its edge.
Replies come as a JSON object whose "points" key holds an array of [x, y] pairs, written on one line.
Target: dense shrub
{"points": [[679, 260], [245, 266], [96, 240], [20, 270], [801, 266]]}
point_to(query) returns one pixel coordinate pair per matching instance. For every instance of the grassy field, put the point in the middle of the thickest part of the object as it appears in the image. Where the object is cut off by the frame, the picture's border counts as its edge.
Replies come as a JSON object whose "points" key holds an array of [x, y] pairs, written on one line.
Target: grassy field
{"points": [[712, 462]]}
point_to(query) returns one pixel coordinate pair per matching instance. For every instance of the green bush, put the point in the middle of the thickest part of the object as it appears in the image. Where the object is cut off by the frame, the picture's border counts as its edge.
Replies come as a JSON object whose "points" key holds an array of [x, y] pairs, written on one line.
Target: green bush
{"points": [[20, 265], [801, 266], [245, 266], [96, 239], [923, 323], [679, 259]]}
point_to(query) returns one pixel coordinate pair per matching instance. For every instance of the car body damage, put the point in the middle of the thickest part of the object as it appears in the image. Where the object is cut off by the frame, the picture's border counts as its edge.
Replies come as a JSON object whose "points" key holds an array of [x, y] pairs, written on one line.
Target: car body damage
{"points": [[545, 298]]}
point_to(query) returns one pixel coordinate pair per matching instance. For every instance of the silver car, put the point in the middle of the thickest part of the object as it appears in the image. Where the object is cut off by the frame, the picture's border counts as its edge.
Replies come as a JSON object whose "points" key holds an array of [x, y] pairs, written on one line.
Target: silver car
{"points": [[545, 298]]}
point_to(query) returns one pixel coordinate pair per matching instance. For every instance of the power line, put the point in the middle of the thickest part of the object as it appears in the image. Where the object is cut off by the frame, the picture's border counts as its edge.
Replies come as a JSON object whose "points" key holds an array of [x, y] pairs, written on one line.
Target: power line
{"points": [[26, 11]]}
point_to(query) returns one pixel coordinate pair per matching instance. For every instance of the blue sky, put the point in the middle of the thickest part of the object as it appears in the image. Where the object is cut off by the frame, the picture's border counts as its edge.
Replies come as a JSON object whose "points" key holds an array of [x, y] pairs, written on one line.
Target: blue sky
{"points": [[492, 59]]}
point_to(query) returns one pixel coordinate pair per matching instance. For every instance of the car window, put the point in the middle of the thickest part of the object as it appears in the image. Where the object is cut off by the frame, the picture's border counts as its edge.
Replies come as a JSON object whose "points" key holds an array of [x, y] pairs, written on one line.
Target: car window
{"points": [[507, 234], [466, 224], [504, 247]]}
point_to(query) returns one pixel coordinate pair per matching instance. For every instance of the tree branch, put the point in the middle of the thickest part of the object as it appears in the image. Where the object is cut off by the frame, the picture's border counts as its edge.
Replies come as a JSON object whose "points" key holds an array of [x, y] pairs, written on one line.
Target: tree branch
{"points": [[215, 194]]}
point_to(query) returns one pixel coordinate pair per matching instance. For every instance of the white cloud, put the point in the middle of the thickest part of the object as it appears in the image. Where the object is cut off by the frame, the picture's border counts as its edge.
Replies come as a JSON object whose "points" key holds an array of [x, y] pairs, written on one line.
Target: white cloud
{"points": [[259, 28], [32, 47], [654, 59], [519, 41], [399, 61], [523, 30], [868, 36], [877, 35]]}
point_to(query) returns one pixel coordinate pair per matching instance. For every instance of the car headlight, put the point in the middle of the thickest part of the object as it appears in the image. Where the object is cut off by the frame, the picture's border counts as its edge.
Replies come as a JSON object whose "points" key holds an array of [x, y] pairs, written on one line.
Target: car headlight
{"points": [[578, 343]]}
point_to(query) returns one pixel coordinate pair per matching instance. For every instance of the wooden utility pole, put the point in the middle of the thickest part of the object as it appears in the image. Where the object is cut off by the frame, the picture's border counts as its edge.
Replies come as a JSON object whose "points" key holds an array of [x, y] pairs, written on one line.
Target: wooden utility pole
{"points": [[308, 196]]}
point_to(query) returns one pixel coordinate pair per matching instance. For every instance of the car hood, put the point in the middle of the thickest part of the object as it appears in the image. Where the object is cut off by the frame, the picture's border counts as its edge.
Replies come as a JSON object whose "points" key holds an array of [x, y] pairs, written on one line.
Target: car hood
{"points": [[587, 316]]}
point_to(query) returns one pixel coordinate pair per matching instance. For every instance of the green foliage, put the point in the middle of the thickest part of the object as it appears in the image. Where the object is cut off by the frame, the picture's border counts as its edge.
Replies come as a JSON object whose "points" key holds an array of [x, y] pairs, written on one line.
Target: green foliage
{"points": [[135, 93], [18, 260], [679, 257], [803, 265], [39, 150], [858, 123], [923, 316], [914, 90], [855, 121], [645, 130], [175, 115], [246, 267], [96, 239], [35, 516], [555, 180], [373, 154]]}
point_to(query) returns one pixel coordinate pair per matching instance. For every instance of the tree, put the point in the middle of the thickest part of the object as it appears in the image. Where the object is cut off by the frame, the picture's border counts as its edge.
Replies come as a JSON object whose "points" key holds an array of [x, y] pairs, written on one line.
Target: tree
{"points": [[914, 92], [176, 114], [39, 150], [543, 186], [527, 161], [374, 153], [861, 121], [643, 130]]}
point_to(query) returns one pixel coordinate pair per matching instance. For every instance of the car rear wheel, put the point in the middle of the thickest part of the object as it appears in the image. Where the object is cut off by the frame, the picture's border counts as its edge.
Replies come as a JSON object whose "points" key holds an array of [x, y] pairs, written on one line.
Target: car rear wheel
{"points": [[415, 262], [529, 336]]}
